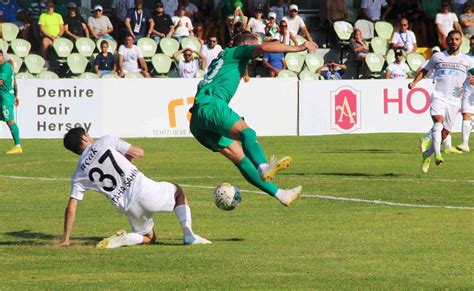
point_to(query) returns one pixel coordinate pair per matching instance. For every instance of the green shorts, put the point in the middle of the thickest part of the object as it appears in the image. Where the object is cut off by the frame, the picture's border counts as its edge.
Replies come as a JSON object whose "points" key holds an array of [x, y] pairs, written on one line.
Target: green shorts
{"points": [[7, 113], [211, 124]]}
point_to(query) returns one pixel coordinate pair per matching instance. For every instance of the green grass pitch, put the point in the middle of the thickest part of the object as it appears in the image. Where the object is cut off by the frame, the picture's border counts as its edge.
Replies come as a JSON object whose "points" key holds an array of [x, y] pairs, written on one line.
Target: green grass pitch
{"points": [[318, 243]]}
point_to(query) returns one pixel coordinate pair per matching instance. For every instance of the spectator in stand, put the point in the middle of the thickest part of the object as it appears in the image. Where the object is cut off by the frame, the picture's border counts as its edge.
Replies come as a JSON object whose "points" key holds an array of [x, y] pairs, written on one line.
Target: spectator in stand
{"points": [[458, 6], [398, 69], [274, 63], [74, 25], [271, 28], [99, 24], [467, 20], [358, 45], [257, 24], [183, 26], [404, 39], [119, 12], [163, 24], [188, 66], [334, 10], [207, 20], [13, 13], [170, 6], [430, 8], [34, 10], [139, 22], [284, 36], [130, 57], [372, 9], [332, 70], [104, 62], [280, 10], [296, 23], [445, 22], [210, 51], [51, 27]]}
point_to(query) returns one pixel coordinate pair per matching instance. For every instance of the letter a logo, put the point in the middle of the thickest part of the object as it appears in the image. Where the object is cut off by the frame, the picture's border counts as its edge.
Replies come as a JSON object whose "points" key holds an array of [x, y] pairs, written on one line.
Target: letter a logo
{"points": [[345, 110]]}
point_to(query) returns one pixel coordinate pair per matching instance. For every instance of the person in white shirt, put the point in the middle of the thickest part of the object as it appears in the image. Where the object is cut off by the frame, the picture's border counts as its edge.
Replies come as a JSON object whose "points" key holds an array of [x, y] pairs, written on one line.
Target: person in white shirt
{"points": [[129, 57], [188, 66], [450, 72], [105, 167], [183, 26], [404, 39], [210, 51], [284, 36], [372, 9], [257, 24], [295, 23], [445, 22], [398, 69], [467, 108]]}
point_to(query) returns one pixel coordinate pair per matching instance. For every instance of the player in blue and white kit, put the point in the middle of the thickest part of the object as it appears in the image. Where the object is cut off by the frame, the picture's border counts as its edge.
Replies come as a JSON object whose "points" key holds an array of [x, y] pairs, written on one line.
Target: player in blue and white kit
{"points": [[105, 167], [450, 72]]}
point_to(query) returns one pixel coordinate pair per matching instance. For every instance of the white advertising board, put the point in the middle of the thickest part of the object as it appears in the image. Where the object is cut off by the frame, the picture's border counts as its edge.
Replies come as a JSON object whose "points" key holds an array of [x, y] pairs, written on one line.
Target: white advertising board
{"points": [[364, 106]]}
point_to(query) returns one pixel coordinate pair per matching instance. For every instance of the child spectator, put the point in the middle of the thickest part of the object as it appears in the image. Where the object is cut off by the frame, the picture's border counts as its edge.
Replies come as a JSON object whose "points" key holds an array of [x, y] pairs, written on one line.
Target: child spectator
{"points": [[104, 62]]}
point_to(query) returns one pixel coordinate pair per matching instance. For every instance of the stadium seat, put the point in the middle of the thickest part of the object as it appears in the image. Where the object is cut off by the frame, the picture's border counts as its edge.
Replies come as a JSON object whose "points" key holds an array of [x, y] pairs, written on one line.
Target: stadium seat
{"points": [[18, 63], [307, 75], [415, 61], [148, 47], [366, 28], [314, 61], [48, 75], [88, 75], [466, 45], [110, 76], [34, 63], [384, 29], [77, 63], [85, 46], [375, 63], [294, 62], [133, 75], [192, 43], [200, 74], [20, 47], [161, 64], [9, 31], [287, 74], [379, 45], [112, 44], [343, 31], [169, 46], [63, 48], [3, 45], [24, 75]]}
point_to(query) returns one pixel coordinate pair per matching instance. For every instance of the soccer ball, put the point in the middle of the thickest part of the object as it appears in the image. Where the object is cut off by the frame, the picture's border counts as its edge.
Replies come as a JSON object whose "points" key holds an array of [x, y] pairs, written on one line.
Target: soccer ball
{"points": [[227, 196]]}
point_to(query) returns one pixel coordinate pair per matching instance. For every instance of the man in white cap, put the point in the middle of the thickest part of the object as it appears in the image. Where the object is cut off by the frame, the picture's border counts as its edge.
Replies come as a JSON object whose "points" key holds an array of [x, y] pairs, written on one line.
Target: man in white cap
{"points": [[99, 24], [295, 23]]}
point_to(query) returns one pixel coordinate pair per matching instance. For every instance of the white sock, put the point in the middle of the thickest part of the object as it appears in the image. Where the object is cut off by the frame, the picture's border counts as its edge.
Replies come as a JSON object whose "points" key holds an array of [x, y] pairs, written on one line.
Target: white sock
{"points": [[437, 128], [280, 194], [447, 142], [262, 167], [428, 135], [466, 131], [132, 239], [183, 213]]}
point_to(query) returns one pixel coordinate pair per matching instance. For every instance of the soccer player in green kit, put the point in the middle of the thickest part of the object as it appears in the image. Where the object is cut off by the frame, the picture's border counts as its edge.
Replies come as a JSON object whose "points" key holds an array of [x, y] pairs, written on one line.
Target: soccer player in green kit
{"points": [[8, 100], [216, 126]]}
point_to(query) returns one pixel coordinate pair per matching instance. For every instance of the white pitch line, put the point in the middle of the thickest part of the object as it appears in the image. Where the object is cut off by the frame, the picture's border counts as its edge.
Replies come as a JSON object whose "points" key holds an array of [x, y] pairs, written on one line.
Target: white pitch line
{"points": [[378, 202]]}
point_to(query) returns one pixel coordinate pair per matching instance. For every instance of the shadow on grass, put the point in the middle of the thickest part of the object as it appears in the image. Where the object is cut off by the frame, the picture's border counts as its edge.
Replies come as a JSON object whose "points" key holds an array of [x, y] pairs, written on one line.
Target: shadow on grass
{"points": [[33, 236], [367, 151], [386, 175]]}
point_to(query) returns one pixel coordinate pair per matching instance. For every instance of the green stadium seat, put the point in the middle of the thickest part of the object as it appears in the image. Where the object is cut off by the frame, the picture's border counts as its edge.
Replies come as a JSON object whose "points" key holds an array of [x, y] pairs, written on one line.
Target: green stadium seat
{"points": [[85, 46], [192, 43], [169, 46], [287, 74], [133, 75], [415, 61], [148, 47], [375, 63], [9, 31], [379, 45], [77, 63], [161, 63], [48, 75], [34, 63], [110, 76], [200, 74], [24, 75], [465, 45], [307, 75], [17, 61], [294, 62], [88, 75], [384, 29], [21, 47], [4, 45], [314, 61], [63, 47], [112, 44], [343, 30]]}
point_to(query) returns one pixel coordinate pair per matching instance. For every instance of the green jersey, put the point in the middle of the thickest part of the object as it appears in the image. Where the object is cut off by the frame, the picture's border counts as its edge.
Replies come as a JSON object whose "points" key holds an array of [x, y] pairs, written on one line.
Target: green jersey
{"points": [[223, 77], [7, 94]]}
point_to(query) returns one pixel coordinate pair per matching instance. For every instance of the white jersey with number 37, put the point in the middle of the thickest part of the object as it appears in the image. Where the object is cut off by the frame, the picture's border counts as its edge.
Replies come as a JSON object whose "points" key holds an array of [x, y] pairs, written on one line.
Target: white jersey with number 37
{"points": [[104, 168]]}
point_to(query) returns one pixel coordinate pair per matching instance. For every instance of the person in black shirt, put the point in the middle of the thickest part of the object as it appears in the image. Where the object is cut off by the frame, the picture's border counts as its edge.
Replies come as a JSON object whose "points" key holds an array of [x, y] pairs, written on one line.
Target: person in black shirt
{"points": [[163, 24], [104, 62], [74, 25]]}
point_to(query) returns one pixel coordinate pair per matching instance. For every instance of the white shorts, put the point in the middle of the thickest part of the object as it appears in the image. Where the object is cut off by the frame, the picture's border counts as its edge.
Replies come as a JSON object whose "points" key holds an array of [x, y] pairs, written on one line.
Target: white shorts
{"points": [[468, 102], [448, 111], [154, 197]]}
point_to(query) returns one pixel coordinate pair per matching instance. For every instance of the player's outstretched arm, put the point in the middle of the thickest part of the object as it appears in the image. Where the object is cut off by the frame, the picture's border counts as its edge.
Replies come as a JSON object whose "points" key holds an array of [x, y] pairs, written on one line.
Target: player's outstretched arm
{"points": [[69, 218], [134, 152], [277, 47], [419, 76]]}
